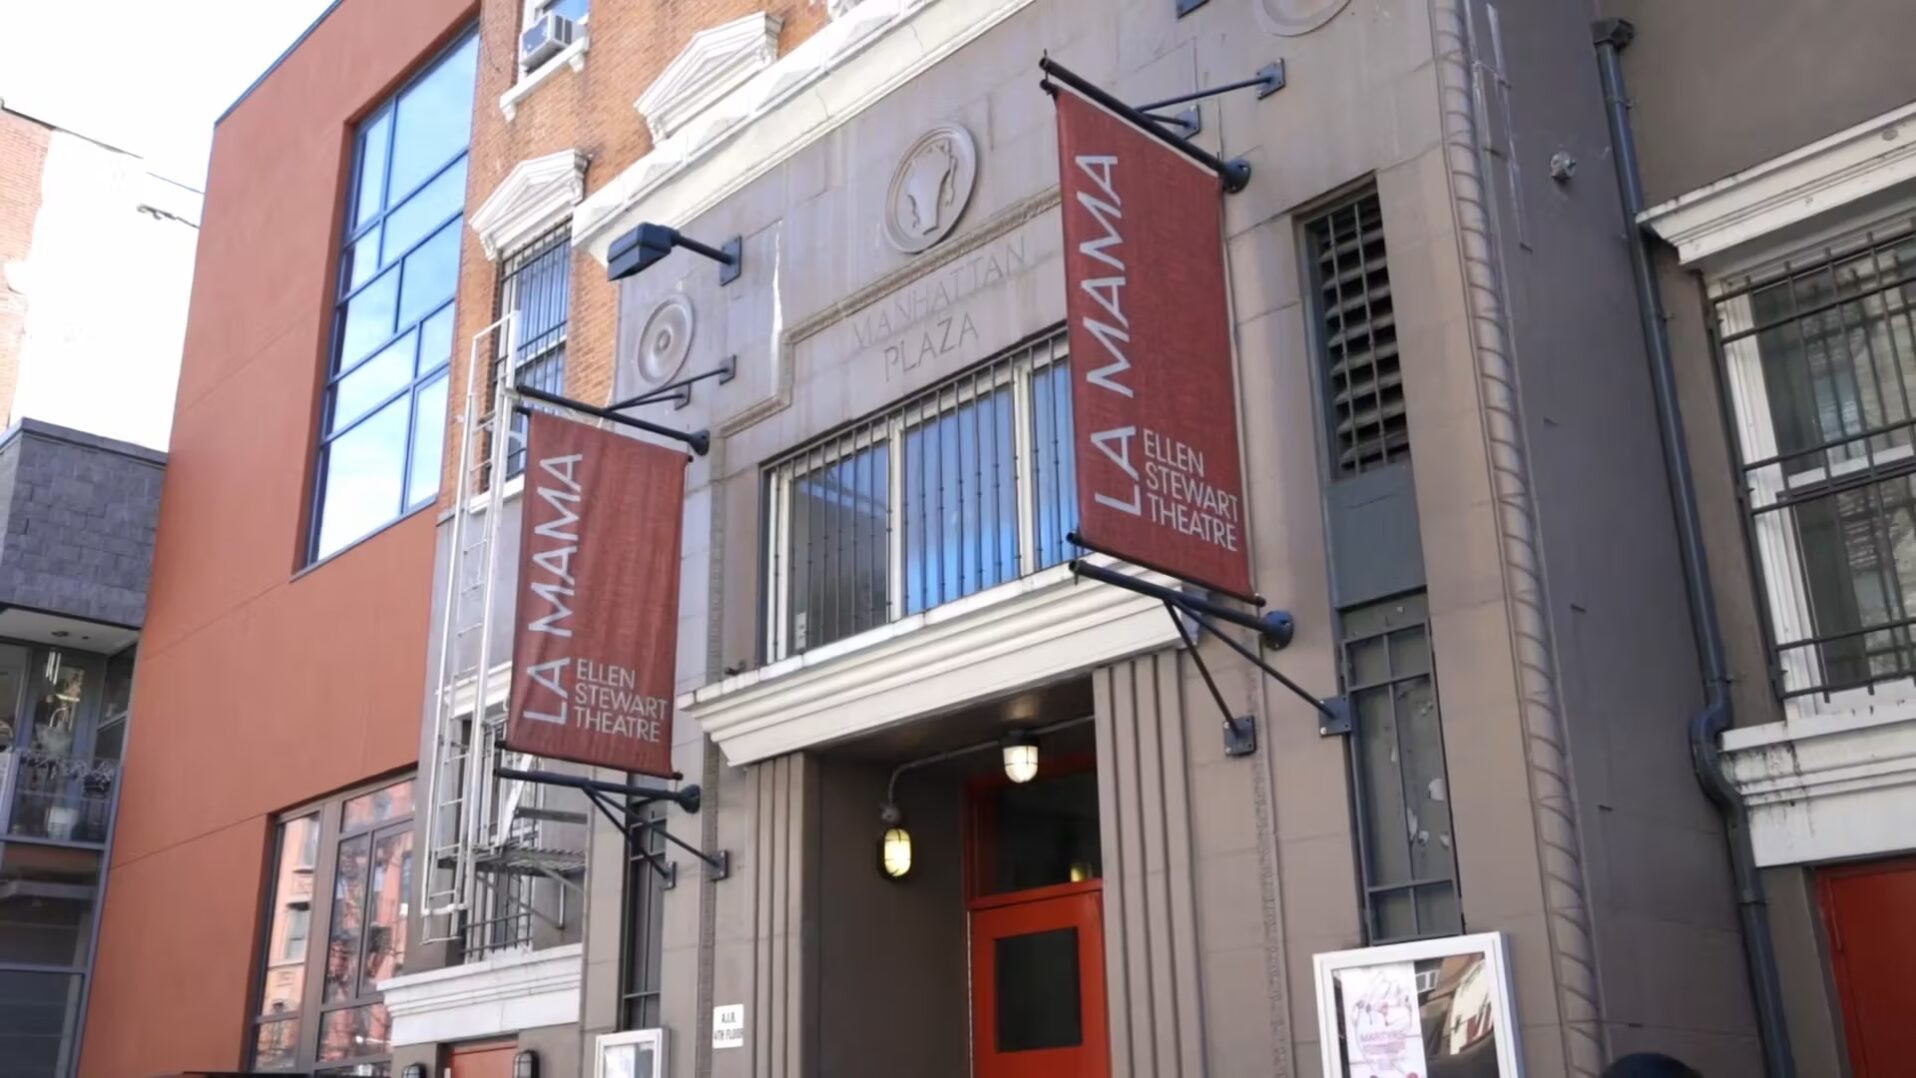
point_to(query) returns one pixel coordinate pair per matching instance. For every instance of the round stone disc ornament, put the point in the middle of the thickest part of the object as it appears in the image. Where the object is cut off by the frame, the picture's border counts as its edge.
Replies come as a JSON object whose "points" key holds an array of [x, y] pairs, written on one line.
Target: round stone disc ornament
{"points": [[930, 188], [1290, 18], [666, 341]]}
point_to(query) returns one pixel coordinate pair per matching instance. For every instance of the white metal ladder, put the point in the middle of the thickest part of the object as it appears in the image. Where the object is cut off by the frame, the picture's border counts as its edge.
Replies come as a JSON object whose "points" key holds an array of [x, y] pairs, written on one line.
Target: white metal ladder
{"points": [[461, 820]]}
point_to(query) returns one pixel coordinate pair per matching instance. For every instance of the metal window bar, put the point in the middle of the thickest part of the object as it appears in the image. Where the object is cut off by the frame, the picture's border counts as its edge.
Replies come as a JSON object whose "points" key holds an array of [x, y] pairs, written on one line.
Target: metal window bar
{"points": [[1821, 350], [1406, 849], [535, 283], [960, 488], [1366, 417]]}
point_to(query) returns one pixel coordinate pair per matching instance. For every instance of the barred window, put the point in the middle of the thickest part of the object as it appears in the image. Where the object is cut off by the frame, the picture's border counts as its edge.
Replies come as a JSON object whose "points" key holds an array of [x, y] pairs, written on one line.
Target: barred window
{"points": [[535, 284], [963, 487], [1365, 406], [1820, 357]]}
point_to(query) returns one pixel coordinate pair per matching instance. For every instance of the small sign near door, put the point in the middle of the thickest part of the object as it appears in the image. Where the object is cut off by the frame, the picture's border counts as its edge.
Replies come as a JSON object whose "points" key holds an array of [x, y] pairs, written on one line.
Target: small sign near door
{"points": [[728, 1026]]}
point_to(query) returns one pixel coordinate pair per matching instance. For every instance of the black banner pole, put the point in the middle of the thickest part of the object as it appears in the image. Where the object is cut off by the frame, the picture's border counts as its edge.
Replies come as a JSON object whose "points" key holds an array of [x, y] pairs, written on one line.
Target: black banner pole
{"points": [[699, 441], [1234, 173]]}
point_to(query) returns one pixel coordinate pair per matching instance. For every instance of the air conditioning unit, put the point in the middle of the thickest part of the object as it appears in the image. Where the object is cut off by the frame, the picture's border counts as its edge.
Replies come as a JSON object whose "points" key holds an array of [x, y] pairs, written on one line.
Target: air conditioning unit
{"points": [[545, 38]]}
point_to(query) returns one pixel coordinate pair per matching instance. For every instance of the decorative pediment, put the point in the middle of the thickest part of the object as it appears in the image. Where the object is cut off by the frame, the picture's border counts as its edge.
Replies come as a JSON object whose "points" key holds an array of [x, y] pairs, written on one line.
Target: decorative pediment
{"points": [[535, 195], [716, 61]]}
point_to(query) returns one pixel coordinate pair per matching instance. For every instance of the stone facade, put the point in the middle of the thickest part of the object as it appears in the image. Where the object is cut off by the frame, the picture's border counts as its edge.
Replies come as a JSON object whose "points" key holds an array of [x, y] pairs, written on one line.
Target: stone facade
{"points": [[80, 513]]}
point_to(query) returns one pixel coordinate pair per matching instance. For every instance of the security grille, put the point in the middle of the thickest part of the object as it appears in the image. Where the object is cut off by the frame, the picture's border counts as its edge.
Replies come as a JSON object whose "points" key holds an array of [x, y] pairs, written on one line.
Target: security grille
{"points": [[1358, 328], [1820, 355], [535, 282], [963, 487]]}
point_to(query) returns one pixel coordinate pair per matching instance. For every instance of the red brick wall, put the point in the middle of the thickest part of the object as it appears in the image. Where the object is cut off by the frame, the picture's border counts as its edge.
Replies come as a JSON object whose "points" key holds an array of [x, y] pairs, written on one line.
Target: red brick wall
{"points": [[591, 111], [23, 156], [260, 686]]}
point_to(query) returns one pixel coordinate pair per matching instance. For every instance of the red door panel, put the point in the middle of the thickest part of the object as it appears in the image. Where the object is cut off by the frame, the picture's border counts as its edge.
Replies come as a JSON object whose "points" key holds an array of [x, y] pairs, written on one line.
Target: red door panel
{"points": [[1870, 914], [483, 1060], [1038, 988]]}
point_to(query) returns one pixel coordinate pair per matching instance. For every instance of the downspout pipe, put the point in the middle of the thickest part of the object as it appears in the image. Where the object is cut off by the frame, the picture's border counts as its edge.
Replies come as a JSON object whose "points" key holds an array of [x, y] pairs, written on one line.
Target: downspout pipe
{"points": [[1612, 36]]}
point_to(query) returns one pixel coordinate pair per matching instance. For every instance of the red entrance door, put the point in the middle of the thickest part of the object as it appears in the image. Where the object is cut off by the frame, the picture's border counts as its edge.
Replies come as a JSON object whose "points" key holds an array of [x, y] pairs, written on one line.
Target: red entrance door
{"points": [[1037, 962], [483, 1060], [1866, 909]]}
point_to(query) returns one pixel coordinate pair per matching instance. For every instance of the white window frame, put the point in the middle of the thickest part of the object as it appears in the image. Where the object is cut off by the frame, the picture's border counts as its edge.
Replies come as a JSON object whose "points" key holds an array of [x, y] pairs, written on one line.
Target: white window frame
{"points": [[1773, 533], [572, 56], [532, 11], [1496, 954], [890, 430], [653, 1038]]}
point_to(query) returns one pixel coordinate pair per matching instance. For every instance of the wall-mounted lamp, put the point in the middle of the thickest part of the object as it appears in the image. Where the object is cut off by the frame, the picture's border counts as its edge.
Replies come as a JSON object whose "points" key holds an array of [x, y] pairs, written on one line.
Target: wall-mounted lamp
{"points": [[638, 249], [1021, 756], [525, 1064], [894, 848]]}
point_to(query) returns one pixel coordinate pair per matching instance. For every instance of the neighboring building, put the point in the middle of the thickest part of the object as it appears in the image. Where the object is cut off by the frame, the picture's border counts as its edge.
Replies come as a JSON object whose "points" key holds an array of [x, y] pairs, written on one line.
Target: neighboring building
{"points": [[72, 209], [1784, 192], [1453, 478], [76, 541]]}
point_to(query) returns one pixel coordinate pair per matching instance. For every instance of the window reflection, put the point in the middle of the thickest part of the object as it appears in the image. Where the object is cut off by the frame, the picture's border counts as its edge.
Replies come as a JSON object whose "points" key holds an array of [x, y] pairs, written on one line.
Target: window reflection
{"points": [[355, 1031], [435, 120], [839, 534], [386, 803], [56, 714], [350, 943], [386, 931], [1444, 1007], [399, 266], [961, 507], [13, 678], [283, 983], [362, 486], [348, 917]]}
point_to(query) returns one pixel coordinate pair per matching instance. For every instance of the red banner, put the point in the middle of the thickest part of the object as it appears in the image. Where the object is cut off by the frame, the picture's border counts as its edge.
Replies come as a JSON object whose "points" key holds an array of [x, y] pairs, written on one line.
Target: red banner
{"points": [[595, 655], [1152, 392]]}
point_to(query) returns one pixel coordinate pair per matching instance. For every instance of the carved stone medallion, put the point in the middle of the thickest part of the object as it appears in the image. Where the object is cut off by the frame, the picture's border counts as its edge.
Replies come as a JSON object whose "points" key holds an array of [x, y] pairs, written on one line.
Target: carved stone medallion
{"points": [[1289, 18], [930, 188], [666, 340]]}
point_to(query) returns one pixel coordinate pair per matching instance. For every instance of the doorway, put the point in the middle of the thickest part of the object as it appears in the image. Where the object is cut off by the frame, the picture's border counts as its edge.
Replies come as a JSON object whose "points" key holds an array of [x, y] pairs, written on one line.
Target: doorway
{"points": [[490, 1060], [1036, 917], [1866, 911]]}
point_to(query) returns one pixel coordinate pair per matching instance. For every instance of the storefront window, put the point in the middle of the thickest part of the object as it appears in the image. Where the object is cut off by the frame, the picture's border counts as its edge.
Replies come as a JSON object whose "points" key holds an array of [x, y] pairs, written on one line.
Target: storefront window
{"points": [[357, 852], [56, 711], [13, 681]]}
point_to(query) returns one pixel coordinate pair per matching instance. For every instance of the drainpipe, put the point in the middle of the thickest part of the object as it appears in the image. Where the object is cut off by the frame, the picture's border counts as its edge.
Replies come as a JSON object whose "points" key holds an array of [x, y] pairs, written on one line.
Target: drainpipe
{"points": [[1706, 756]]}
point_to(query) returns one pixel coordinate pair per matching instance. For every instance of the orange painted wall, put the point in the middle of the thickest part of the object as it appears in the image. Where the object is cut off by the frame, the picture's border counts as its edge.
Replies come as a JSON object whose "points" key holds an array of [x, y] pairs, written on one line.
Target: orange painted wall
{"points": [[258, 687]]}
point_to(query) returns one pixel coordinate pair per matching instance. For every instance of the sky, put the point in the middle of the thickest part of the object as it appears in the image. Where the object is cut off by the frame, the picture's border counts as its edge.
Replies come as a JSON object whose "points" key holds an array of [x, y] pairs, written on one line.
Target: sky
{"points": [[150, 76]]}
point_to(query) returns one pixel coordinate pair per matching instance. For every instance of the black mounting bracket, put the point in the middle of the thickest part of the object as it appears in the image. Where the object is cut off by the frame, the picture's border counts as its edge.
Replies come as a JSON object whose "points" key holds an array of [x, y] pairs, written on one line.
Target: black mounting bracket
{"points": [[1235, 173], [698, 441], [1275, 629], [624, 805], [680, 392], [1268, 80]]}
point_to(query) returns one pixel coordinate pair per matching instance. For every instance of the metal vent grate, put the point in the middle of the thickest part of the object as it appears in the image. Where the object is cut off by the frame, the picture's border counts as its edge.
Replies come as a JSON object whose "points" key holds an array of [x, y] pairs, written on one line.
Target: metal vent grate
{"points": [[1357, 325]]}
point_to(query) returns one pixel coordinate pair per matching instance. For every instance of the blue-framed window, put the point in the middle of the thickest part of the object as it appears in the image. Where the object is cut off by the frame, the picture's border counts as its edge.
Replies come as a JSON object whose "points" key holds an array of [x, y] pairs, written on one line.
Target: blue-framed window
{"points": [[382, 430]]}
